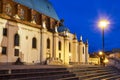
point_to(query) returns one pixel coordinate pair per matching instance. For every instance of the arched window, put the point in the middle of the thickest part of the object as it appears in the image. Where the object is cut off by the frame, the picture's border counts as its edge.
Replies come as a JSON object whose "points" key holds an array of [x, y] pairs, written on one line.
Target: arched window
{"points": [[83, 50], [59, 45], [16, 40], [69, 47], [48, 43], [34, 43]]}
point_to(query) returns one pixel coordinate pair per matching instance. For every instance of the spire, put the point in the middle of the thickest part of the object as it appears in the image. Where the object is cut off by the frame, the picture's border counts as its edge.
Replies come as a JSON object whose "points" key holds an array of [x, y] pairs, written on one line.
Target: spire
{"points": [[87, 42], [75, 37], [81, 38]]}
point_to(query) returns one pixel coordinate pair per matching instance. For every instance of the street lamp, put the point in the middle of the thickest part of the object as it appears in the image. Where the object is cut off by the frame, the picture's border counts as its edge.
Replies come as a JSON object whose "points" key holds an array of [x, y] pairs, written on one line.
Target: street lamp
{"points": [[103, 24]]}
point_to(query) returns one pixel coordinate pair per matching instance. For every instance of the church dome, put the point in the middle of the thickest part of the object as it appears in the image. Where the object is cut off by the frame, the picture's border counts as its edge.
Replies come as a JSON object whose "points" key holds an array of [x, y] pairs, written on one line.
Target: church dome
{"points": [[63, 28], [42, 6]]}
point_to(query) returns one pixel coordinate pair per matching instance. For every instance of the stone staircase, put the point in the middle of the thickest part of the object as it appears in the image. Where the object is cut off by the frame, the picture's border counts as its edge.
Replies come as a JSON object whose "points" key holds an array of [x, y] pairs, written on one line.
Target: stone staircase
{"points": [[60, 73], [35, 74], [96, 73]]}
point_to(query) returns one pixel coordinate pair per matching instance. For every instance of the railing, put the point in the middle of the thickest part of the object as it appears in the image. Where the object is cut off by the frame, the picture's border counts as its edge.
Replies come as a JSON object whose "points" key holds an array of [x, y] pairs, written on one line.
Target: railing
{"points": [[115, 62]]}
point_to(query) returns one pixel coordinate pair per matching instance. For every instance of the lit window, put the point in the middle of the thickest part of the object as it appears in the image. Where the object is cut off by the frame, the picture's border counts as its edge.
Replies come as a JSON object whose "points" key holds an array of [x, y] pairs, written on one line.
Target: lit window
{"points": [[16, 40], [48, 43], [16, 52], [4, 31], [4, 50], [34, 43]]}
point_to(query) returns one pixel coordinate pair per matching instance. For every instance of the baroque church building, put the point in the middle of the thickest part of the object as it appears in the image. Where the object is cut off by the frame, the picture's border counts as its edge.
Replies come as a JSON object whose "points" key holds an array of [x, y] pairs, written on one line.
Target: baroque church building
{"points": [[31, 30]]}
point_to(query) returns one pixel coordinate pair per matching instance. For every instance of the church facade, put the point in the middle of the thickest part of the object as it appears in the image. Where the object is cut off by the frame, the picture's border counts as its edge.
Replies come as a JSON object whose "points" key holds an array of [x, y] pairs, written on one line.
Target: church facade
{"points": [[31, 30]]}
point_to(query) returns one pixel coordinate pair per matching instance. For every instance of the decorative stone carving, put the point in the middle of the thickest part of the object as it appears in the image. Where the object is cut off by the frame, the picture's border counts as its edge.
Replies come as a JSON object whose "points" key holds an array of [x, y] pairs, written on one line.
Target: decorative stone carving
{"points": [[56, 29], [34, 19], [8, 9], [22, 13], [44, 24]]}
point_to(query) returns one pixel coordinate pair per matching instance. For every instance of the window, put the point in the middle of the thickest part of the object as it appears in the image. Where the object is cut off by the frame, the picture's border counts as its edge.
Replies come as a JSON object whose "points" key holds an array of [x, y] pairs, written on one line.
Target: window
{"points": [[60, 55], [48, 43], [4, 31], [4, 50], [22, 12], [83, 50], [16, 52], [59, 45], [69, 47], [8, 9], [16, 40], [34, 43]]}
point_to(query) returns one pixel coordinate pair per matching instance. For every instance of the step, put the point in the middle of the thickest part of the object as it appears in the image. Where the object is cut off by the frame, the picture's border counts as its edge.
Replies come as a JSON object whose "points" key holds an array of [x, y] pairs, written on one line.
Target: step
{"points": [[69, 78], [36, 70], [90, 72], [20, 75], [52, 77], [88, 69], [113, 77], [102, 76], [3, 72], [92, 75]]}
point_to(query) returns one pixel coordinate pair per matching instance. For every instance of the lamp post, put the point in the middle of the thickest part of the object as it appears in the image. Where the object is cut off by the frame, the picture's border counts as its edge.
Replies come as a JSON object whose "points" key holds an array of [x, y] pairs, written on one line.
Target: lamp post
{"points": [[103, 24]]}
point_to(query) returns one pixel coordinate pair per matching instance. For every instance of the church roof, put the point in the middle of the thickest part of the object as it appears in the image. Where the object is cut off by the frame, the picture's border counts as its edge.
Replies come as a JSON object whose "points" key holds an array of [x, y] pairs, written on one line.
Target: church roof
{"points": [[42, 6]]}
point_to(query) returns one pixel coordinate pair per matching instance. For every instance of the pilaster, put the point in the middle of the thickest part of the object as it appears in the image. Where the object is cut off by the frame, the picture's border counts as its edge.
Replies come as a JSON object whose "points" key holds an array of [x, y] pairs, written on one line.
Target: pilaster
{"points": [[43, 44], [55, 44], [66, 50], [75, 51], [80, 52]]}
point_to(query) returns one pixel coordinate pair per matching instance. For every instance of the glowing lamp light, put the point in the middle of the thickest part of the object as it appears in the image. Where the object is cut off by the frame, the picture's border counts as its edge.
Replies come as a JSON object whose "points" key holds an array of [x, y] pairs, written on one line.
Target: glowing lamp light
{"points": [[106, 60], [100, 53], [103, 23]]}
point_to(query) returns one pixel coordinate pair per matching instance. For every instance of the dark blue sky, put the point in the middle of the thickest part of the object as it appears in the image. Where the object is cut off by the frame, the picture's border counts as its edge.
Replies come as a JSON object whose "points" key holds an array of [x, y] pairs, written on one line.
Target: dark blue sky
{"points": [[81, 17]]}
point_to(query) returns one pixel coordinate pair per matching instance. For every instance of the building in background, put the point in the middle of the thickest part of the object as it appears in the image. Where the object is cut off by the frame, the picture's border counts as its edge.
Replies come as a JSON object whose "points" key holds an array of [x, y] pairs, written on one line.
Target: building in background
{"points": [[31, 30], [115, 53]]}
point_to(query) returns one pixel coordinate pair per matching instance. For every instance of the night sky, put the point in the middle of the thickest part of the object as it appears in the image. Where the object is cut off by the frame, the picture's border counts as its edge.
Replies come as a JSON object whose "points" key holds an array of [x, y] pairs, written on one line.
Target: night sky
{"points": [[81, 17]]}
